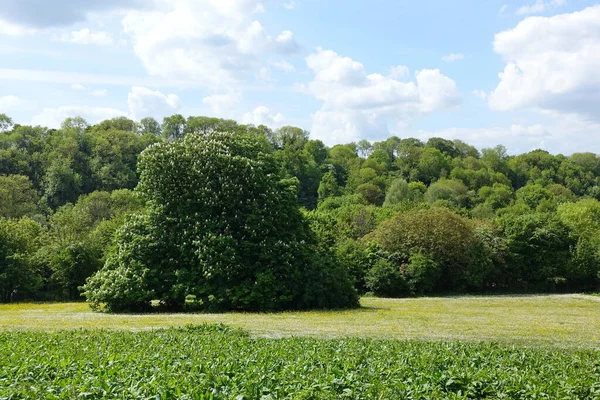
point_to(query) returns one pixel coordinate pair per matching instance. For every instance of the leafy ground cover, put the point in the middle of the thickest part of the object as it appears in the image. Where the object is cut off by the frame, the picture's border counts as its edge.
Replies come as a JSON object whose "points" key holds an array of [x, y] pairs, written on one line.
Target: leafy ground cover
{"points": [[556, 320], [215, 362]]}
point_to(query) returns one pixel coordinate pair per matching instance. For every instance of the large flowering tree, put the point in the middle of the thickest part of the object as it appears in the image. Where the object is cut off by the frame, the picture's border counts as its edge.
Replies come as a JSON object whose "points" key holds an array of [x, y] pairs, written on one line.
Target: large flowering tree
{"points": [[223, 227]]}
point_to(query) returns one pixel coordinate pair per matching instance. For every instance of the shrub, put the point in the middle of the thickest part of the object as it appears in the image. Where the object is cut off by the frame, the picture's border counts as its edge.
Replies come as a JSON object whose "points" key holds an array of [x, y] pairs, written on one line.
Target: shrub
{"points": [[385, 280], [421, 274]]}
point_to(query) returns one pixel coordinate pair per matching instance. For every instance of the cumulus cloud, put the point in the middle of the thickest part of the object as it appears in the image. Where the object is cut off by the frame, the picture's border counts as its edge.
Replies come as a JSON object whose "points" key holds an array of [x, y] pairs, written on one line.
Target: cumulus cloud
{"points": [[144, 102], [481, 94], [565, 135], [9, 103], [360, 105], [453, 57], [84, 36], [399, 72], [263, 116], [53, 117], [285, 43], [540, 6], [552, 64], [212, 42]]}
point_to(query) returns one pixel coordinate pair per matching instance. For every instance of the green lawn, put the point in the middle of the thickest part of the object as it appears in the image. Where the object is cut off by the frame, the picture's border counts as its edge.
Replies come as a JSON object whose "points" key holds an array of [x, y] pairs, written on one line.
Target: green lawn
{"points": [[556, 320]]}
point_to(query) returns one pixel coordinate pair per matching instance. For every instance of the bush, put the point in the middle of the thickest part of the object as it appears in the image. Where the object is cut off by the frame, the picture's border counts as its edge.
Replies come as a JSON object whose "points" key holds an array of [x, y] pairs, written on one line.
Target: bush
{"points": [[385, 280], [421, 274], [438, 232]]}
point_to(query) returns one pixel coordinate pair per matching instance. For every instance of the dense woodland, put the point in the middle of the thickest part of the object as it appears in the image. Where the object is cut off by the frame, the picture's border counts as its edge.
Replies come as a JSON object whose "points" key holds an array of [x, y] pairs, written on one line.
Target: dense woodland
{"points": [[400, 217]]}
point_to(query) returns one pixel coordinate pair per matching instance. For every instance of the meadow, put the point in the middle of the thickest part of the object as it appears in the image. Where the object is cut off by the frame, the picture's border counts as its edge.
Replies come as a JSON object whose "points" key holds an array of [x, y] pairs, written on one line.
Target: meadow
{"points": [[532, 320], [502, 347]]}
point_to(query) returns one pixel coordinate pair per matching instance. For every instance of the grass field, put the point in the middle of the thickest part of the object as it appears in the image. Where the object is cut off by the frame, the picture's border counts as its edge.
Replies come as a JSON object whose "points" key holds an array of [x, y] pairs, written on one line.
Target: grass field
{"points": [[555, 320]]}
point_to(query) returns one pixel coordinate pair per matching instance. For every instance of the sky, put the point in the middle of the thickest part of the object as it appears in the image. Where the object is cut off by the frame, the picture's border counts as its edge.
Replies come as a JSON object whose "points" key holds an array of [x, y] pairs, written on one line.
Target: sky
{"points": [[522, 73]]}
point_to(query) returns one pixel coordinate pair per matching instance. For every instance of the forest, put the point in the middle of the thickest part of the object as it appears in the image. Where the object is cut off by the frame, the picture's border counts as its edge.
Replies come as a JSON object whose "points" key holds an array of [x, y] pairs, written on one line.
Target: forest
{"points": [[81, 205]]}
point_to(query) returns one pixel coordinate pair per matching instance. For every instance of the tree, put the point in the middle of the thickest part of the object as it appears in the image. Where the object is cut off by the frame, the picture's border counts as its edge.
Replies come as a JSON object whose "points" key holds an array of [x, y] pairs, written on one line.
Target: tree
{"points": [[372, 193], [61, 183], [17, 269], [6, 123], [221, 226], [453, 191], [432, 165], [539, 247], [364, 148], [401, 192], [18, 198], [119, 123], [149, 126], [328, 186], [75, 124], [173, 127], [439, 233]]}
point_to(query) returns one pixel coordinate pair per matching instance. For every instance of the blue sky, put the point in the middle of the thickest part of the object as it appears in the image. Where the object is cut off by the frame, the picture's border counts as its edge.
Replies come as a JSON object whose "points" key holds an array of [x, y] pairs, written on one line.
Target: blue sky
{"points": [[523, 73]]}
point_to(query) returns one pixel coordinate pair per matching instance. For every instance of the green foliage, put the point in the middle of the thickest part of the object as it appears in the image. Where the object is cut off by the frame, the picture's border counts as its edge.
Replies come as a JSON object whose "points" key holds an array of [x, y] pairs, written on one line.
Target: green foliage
{"points": [[18, 197], [453, 191], [438, 232], [401, 192], [372, 193], [539, 246], [18, 241], [222, 227], [328, 187], [421, 273], [384, 279], [216, 362], [43, 170]]}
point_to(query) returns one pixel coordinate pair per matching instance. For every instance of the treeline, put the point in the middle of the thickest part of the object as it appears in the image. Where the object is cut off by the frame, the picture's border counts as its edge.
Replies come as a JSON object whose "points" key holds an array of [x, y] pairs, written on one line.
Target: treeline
{"points": [[402, 216]]}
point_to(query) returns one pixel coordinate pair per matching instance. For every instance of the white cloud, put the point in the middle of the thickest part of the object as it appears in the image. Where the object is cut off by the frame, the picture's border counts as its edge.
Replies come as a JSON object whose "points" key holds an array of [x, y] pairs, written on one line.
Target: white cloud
{"points": [[9, 103], [264, 74], [222, 104], [209, 42], [517, 138], [481, 94], [284, 66], [360, 105], [552, 64], [285, 43], [290, 5], [453, 57], [78, 86], [144, 102], [99, 92], [540, 6], [262, 116], [503, 9], [565, 135], [84, 36], [399, 72], [53, 117]]}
